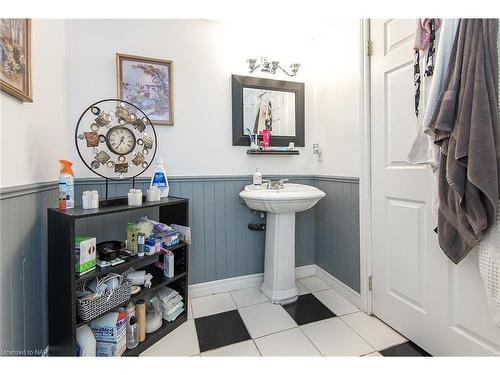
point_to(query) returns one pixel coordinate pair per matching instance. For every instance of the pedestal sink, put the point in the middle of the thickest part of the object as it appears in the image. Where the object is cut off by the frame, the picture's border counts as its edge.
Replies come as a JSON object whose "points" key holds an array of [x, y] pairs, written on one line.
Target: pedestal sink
{"points": [[281, 205]]}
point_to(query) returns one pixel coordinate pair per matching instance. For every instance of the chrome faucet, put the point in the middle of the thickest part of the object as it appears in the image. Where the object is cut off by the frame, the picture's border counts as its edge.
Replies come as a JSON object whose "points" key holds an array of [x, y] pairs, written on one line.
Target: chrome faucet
{"points": [[276, 184]]}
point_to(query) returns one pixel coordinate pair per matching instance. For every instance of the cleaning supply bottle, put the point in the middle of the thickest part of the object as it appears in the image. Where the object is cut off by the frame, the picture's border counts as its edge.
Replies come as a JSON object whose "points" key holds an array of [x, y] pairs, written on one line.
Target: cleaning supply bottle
{"points": [[66, 185], [159, 179], [132, 333]]}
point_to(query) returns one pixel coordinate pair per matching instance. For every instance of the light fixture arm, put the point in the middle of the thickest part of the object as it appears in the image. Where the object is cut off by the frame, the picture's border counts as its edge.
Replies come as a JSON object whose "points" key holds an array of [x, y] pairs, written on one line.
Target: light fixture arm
{"points": [[251, 70], [271, 67], [288, 74]]}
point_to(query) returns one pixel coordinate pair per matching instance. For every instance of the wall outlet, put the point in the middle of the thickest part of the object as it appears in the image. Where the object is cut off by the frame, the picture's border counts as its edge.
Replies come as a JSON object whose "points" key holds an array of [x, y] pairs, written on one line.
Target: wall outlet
{"points": [[317, 150]]}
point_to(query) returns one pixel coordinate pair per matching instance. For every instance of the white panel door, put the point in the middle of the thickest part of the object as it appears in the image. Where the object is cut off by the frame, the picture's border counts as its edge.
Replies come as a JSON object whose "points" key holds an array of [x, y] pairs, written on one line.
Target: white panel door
{"points": [[416, 289]]}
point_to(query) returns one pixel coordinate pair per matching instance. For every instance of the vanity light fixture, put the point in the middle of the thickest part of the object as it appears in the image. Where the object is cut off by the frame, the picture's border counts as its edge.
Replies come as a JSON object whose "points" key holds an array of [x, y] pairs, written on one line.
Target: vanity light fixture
{"points": [[271, 66]]}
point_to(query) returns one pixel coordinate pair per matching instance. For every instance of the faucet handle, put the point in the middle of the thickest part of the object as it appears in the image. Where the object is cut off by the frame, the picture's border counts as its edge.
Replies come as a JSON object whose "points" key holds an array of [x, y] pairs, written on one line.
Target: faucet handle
{"points": [[268, 182]]}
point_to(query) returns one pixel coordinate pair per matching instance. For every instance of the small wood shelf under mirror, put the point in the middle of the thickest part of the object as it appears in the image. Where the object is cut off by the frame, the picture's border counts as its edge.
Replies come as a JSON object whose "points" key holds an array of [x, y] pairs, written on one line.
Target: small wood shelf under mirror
{"points": [[272, 152]]}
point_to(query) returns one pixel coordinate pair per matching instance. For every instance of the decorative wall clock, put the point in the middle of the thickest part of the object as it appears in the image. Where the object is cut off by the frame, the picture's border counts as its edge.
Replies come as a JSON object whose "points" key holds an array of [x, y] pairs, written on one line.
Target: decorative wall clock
{"points": [[115, 139]]}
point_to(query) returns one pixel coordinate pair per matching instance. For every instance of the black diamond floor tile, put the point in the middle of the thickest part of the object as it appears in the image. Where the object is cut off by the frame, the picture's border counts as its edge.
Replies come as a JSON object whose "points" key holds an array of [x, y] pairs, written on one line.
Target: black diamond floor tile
{"points": [[308, 309], [215, 331], [407, 349]]}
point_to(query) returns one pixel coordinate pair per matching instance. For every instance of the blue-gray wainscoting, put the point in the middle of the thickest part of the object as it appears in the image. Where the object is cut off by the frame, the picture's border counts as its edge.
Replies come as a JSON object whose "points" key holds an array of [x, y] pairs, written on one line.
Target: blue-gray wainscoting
{"points": [[336, 227], [222, 247], [23, 274]]}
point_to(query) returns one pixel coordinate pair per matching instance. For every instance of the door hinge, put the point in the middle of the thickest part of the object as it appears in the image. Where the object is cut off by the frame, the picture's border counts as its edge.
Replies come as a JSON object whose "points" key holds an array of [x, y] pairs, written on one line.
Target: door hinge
{"points": [[370, 283], [369, 48]]}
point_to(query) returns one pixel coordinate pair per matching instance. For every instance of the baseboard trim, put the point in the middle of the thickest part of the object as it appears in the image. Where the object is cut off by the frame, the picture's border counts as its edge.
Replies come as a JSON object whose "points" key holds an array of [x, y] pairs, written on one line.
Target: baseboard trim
{"points": [[345, 291], [305, 271], [225, 285], [249, 281], [241, 282]]}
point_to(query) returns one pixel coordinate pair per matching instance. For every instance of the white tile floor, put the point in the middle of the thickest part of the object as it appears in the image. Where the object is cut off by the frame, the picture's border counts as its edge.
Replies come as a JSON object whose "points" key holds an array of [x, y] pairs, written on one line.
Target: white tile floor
{"points": [[292, 342], [214, 304], [301, 287], [314, 284], [248, 297], [335, 302], [333, 337], [275, 333], [266, 318], [241, 349], [181, 342], [374, 331]]}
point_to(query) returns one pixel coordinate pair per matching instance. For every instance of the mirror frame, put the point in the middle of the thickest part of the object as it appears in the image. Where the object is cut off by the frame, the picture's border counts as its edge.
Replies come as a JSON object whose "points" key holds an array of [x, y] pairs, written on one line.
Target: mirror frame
{"points": [[240, 82]]}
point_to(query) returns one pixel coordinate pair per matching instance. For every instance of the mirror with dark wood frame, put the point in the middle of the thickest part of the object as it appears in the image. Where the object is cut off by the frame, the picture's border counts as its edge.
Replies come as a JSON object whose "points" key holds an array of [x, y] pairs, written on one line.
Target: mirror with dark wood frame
{"points": [[259, 103]]}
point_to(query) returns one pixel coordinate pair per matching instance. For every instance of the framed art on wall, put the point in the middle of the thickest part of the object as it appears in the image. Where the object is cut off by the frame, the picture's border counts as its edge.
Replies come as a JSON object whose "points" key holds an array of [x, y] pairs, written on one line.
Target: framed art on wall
{"points": [[146, 83], [15, 58]]}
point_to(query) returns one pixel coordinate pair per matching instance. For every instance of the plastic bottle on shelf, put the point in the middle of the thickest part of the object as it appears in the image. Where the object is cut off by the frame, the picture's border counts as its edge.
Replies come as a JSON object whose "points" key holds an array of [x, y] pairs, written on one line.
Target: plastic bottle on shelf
{"points": [[66, 185], [132, 333], [168, 264], [159, 179], [140, 244]]}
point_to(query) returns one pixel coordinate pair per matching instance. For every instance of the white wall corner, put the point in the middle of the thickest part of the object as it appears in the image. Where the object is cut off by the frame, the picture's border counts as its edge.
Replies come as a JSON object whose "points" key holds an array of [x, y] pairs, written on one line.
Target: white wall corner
{"points": [[345, 291]]}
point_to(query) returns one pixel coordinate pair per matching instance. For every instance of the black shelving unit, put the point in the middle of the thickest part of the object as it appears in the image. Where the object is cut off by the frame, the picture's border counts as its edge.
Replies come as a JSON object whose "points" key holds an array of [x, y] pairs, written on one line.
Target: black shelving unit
{"points": [[62, 279]]}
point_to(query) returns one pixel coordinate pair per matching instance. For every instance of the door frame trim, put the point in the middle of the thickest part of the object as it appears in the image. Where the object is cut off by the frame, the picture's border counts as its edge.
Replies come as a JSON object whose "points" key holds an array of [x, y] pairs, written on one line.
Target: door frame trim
{"points": [[365, 188]]}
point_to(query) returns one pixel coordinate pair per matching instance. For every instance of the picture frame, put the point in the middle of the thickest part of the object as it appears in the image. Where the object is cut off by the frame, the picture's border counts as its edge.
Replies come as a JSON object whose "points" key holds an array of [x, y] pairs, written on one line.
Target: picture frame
{"points": [[15, 58], [147, 83]]}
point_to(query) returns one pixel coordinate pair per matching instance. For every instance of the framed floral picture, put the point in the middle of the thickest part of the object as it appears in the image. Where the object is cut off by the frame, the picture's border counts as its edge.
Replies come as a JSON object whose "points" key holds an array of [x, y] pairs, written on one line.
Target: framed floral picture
{"points": [[147, 83], [15, 58]]}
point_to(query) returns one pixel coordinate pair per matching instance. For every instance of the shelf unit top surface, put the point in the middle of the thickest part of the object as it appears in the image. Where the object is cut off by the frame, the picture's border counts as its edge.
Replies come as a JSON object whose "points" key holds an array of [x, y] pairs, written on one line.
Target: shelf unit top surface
{"points": [[113, 206]]}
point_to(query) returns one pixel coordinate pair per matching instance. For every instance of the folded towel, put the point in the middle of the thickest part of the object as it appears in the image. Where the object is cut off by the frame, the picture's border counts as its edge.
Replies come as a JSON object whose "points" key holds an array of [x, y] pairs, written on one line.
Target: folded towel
{"points": [[173, 308], [173, 313], [171, 302], [172, 317], [167, 293]]}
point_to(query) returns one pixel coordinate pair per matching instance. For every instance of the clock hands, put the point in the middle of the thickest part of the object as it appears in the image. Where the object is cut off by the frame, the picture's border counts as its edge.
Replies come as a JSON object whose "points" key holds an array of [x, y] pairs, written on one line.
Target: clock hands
{"points": [[121, 140]]}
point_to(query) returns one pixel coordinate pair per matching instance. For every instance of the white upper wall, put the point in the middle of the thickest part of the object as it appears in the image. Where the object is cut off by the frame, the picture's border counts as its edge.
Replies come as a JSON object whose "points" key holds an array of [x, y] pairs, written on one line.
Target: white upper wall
{"points": [[34, 136], [338, 99], [204, 54], [74, 65]]}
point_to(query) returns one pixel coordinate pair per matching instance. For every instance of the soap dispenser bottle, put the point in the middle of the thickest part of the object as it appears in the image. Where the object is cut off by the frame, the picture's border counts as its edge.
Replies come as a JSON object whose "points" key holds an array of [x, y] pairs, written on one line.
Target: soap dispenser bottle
{"points": [[257, 177], [159, 179]]}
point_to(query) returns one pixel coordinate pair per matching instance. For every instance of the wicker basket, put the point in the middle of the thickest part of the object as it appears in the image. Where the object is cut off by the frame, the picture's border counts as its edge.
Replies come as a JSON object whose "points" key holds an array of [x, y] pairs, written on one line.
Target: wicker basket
{"points": [[88, 310]]}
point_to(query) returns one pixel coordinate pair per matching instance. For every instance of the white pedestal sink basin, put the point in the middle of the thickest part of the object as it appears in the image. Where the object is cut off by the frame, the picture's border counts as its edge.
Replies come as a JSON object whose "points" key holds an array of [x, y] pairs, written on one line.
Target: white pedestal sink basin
{"points": [[281, 206]]}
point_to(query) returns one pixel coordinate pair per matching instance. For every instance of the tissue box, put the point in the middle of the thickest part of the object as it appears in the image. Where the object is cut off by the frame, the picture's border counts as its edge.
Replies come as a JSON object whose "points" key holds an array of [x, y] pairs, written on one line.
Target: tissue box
{"points": [[110, 334], [110, 327], [110, 349], [85, 254], [132, 230]]}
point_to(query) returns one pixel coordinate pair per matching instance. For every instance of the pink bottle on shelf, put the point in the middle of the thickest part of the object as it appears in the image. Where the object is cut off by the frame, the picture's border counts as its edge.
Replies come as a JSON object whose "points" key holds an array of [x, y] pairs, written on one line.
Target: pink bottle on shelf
{"points": [[266, 137]]}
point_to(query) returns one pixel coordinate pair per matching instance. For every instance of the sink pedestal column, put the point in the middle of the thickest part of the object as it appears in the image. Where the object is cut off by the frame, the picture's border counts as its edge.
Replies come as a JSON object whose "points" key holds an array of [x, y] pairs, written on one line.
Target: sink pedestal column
{"points": [[279, 263]]}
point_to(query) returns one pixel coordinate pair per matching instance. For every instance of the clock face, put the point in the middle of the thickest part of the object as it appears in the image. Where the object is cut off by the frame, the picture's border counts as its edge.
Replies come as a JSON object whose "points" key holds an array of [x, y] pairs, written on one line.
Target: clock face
{"points": [[115, 139], [120, 140]]}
